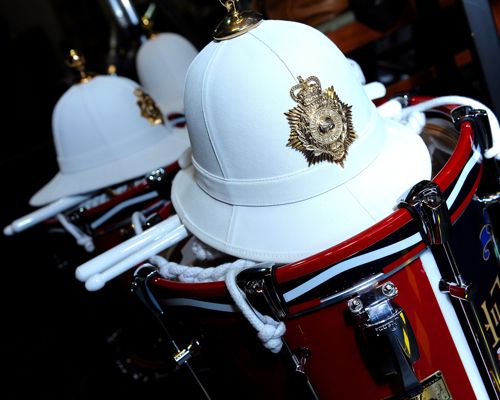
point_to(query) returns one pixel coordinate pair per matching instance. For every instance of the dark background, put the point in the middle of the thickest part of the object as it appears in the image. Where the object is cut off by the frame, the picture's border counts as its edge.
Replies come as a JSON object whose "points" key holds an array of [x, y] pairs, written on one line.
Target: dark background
{"points": [[55, 334]]}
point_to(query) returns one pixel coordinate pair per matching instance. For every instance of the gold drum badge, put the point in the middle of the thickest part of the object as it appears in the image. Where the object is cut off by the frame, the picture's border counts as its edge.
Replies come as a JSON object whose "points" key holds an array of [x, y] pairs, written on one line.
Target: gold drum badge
{"points": [[321, 124], [149, 109]]}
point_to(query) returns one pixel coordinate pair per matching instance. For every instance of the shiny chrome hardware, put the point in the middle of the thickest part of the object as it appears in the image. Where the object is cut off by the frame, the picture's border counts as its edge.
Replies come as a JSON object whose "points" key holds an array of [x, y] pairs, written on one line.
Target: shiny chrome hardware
{"points": [[301, 356], [435, 226], [488, 199], [259, 286], [428, 207], [386, 334], [488, 191], [183, 355], [156, 175]]}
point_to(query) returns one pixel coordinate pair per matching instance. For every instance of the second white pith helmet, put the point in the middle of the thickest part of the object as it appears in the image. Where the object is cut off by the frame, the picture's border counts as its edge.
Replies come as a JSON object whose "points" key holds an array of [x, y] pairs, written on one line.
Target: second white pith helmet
{"points": [[106, 131]]}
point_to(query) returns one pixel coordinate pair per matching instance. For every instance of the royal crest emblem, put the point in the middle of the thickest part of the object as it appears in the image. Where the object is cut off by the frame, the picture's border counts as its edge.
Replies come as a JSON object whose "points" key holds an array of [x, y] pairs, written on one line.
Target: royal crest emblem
{"points": [[321, 124], [149, 109]]}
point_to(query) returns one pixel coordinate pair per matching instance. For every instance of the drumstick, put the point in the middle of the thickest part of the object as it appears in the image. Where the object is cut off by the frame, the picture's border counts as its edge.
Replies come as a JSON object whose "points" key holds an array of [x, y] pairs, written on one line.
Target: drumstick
{"points": [[97, 281], [125, 249], [43, 214]]}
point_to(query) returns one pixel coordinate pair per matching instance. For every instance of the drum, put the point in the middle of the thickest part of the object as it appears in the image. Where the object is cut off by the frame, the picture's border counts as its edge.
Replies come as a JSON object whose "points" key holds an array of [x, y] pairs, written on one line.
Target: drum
{"points": [[104, 220], [406, 309]]}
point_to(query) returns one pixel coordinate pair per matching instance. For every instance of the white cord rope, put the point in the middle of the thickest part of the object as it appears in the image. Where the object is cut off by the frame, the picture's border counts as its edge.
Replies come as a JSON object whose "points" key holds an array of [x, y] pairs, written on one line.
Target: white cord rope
{"points": [[415, 121], [192, 274], [393, 109], [268, 330], [82, 238], [494, 151], [204, 252]]}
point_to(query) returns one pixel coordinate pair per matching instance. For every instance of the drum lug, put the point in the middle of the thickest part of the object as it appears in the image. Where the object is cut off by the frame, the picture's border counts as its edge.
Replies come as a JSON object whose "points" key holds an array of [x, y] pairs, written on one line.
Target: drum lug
{"points": [[156, 176], [479, 119], [259, 287], [427, 205], [386, 335], [488, 191], [160, 181], [459, 291]]}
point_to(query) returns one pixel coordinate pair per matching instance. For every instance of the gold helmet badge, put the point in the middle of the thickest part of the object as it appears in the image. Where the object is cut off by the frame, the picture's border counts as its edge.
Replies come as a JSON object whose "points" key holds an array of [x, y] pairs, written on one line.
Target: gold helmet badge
{"points": [[149, 109], [321, 124]]}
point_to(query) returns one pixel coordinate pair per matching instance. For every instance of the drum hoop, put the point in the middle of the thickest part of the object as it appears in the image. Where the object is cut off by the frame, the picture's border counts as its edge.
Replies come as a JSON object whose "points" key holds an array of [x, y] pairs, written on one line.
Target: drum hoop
{"points": [[142, 187], [331, 256]]}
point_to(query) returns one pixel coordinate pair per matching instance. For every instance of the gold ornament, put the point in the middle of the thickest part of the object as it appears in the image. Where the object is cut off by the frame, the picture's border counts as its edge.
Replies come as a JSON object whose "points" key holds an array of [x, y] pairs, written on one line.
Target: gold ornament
{"points": [[321, 124], [76, 60], [236, 22], [149, 109]]}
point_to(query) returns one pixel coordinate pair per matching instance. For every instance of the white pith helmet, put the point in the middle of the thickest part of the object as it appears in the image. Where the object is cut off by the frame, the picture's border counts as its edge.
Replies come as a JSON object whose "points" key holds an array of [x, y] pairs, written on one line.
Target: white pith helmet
{"points": [[267, 186], [162, 63], [107, 131]]}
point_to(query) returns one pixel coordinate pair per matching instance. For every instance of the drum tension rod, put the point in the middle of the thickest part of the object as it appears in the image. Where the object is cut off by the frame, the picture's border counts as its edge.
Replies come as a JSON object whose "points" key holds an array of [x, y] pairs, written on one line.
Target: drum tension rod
{"points": [[427, 205], [260, 288]]}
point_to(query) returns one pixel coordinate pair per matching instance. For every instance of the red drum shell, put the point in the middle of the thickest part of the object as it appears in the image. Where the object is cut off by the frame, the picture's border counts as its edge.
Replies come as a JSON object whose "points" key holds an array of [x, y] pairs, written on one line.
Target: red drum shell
{"points": [[341, 357]]}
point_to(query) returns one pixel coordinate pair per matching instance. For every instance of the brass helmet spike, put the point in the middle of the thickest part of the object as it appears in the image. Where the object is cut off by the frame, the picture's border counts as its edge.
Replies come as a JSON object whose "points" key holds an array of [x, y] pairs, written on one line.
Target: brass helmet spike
{"points": [[236, 22], [76, 60], [147, 21], [147, 25]]}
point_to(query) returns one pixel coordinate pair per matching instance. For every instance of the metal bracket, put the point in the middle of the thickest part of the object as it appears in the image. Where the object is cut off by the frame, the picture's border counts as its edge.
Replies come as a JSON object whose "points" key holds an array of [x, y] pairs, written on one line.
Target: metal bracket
{"points": [[488, 191], [479, 120], [161, 181], [387, 335], [259, 286], [426, 203]]}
